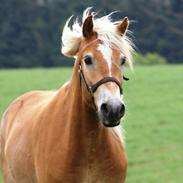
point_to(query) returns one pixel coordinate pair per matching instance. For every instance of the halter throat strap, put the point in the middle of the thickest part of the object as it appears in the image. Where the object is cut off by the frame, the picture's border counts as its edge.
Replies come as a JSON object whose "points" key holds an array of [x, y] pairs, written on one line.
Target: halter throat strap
{"points": [[91, 89]]}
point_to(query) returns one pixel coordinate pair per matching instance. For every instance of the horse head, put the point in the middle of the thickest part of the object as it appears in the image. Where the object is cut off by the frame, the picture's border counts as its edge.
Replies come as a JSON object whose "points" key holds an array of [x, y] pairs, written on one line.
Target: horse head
{"points": [[101, 48]]}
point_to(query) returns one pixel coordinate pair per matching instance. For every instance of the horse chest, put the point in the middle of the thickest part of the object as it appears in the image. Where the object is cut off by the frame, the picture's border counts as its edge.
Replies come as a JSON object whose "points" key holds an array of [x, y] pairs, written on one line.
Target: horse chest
{"points": [[94, 162], [105, 163]]}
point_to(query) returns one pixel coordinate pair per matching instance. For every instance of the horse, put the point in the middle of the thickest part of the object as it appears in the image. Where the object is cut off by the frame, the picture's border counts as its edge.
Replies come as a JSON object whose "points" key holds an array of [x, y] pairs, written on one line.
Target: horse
{"points": [[72, 135]]}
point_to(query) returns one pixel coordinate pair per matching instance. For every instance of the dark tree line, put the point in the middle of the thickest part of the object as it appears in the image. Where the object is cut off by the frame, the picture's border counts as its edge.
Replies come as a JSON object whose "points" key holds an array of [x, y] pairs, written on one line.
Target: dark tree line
{"points": [[30, 31]]}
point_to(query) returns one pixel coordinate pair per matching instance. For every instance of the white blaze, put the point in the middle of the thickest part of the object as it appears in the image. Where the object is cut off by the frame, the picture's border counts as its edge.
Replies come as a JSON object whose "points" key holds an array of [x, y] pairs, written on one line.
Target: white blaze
{"points": [[104, 94], [107, 54]]}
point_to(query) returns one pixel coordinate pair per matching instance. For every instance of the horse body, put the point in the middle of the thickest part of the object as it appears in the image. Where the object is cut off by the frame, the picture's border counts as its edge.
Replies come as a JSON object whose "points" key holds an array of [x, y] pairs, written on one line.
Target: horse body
{"points": [[43, 145], [62, 136]]}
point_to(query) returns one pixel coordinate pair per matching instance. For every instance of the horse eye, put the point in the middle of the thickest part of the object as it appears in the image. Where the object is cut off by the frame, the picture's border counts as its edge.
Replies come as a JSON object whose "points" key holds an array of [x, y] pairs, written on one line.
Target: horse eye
{"points": [[88, 60], [123, 60]]}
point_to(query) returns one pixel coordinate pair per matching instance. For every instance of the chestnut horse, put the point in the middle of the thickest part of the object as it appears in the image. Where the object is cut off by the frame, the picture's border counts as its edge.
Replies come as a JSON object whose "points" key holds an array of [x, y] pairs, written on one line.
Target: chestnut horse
{"points": [[71, 135]]}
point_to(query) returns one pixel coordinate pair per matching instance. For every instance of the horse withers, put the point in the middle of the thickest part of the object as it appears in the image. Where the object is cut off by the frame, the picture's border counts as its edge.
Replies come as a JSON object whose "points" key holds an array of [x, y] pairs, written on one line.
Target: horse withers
{"points": [[72, 135]]}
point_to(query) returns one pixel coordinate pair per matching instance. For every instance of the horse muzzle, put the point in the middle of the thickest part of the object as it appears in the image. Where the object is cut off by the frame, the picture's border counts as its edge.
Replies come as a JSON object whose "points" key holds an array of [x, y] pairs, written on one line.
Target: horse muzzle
{"points": [[112, 113]]}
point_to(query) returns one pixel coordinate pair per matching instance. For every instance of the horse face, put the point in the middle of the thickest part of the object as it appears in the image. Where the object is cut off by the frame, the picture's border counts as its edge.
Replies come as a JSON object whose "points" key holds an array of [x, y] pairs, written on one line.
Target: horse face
{"points": [[100, 56], [99, 61]]}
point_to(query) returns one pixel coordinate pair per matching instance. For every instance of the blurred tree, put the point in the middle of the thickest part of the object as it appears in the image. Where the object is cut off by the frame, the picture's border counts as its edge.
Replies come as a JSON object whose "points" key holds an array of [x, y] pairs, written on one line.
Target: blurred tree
{"points": [[149, 59], [30, 31]]}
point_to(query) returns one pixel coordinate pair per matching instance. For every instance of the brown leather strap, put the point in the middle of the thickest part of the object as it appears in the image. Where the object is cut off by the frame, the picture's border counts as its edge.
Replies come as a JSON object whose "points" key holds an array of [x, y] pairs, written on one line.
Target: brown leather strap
{"points": [[125, 78], [93, 88], [82, 78], [106, 80]]}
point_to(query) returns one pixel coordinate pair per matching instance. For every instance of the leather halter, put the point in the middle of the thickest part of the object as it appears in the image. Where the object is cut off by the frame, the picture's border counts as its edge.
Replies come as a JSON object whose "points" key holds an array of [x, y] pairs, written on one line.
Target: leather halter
{"points": [[91, 89]]}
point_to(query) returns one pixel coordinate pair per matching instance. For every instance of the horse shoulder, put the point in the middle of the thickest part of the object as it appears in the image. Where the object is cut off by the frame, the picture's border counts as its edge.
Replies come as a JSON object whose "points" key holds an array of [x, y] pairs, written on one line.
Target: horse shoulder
{"points": [[27, 106], [16, 131]]}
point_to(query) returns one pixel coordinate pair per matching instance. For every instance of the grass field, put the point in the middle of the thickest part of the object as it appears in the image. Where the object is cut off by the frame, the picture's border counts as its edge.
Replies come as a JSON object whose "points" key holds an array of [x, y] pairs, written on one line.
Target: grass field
{"points": [[154, 120]]}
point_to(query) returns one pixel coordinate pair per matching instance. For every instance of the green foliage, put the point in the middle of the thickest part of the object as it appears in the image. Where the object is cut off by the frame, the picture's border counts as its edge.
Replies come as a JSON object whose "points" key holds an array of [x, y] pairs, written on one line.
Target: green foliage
{"points": [[31, 30], [149, 59], [153, 121]]}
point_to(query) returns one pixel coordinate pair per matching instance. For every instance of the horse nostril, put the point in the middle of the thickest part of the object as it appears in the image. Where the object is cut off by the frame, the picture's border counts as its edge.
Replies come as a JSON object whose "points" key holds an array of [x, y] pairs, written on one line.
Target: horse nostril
{"points": [[121, 110], [105, 109]]}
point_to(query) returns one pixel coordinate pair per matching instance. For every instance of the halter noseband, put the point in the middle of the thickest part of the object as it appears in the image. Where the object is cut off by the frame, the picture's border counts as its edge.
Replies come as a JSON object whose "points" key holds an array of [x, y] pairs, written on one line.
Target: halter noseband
{"points": [[91, 89]]}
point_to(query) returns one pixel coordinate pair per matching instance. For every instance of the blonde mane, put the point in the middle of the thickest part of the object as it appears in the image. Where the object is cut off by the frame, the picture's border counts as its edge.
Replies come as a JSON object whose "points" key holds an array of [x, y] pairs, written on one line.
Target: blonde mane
{"points": [[106, 31]]}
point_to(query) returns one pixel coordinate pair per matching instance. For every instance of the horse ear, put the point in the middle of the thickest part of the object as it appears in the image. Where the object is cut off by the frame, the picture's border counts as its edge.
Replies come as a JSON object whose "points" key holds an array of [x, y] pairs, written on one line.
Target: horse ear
{"points": [[88, 27], [123, 26]]}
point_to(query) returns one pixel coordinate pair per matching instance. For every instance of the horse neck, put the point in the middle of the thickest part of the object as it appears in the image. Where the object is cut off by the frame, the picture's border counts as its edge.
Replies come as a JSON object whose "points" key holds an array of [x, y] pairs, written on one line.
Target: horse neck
{"points": [[80, 105]]}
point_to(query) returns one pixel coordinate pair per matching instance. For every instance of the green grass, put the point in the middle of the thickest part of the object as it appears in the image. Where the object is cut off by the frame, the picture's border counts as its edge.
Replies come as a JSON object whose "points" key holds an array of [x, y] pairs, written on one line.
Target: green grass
{"points": [[154, 120], [154, 125]]}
